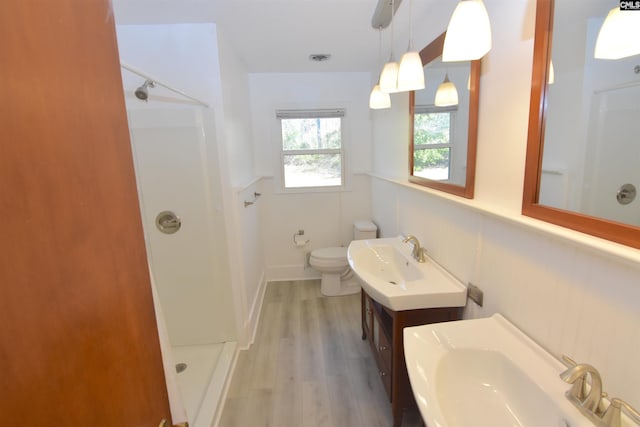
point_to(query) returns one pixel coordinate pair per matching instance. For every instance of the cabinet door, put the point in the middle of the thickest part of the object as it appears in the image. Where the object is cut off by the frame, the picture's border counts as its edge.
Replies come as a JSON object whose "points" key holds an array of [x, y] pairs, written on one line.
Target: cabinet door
{"points": [[380, 346], [367, 315], [384, 349]]}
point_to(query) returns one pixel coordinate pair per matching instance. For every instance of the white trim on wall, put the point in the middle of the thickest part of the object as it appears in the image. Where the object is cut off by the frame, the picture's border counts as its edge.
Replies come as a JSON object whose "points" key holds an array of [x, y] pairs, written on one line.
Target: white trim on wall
{"points": [[253, 317], [611, 250]]}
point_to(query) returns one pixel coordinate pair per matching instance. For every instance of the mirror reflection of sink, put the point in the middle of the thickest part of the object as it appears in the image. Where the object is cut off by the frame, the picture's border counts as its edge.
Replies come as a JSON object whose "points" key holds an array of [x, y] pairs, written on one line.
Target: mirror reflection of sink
{"points": [[485, 373], [392, 277]]}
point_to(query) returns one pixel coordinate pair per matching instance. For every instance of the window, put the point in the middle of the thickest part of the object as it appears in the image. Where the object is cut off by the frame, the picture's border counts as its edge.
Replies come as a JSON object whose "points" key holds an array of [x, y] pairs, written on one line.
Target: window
{"points": [[433, 138], [311, 150]]}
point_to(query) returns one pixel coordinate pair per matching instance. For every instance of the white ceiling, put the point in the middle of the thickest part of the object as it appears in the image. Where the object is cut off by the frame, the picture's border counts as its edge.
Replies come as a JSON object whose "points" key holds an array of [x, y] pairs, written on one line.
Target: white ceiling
{"points": [[279, 35]]}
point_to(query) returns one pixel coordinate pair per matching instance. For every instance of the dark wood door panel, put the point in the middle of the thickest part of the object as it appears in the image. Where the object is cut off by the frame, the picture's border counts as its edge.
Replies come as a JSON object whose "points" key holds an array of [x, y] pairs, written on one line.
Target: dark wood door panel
{"points": [[78, 340]]}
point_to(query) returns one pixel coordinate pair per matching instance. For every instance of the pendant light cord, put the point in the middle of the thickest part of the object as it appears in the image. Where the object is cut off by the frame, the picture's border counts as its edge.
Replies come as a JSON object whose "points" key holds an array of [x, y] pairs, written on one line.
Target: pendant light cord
{"points": [[393, 4], [380, 44], [410, 25]]}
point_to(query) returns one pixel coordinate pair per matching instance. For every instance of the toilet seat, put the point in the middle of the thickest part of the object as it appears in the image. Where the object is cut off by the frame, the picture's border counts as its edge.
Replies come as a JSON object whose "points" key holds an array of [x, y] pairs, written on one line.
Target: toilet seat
{"points": [[329, 257], [332, 263]]}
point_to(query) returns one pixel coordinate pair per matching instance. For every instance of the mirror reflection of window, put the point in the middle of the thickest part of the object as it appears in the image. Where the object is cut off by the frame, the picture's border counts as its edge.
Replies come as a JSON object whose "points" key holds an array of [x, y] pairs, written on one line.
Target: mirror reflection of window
{"points": [[433, 139], [443, 133], [446, 159]]}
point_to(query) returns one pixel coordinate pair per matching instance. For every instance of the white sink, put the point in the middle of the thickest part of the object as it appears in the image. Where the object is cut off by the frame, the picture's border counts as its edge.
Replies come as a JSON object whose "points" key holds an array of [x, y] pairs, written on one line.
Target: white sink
{"points": [[391, 276], [485, 373]]}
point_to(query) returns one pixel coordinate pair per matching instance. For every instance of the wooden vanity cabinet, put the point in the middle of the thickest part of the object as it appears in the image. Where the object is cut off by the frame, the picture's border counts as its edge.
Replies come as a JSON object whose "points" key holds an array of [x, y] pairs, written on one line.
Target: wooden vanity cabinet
{"points": [[382, 327]]}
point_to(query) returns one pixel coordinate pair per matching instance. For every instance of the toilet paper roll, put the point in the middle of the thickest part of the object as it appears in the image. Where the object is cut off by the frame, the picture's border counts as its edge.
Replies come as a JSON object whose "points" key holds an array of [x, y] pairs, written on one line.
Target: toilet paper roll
{"points": [[299, 241]]}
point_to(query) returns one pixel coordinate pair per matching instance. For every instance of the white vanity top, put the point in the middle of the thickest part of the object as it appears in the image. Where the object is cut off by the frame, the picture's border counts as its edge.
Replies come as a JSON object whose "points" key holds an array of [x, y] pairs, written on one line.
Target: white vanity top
{"points": [[391, 276]]}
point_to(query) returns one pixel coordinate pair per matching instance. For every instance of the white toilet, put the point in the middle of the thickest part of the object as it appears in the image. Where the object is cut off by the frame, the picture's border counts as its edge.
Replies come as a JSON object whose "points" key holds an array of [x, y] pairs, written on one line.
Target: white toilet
{"points": [[337, 277]]}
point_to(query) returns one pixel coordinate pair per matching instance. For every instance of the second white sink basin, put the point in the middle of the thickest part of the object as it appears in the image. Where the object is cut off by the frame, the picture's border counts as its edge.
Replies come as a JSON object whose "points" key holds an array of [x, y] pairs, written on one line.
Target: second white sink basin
{"points": [[486, 373], [391, 276]]}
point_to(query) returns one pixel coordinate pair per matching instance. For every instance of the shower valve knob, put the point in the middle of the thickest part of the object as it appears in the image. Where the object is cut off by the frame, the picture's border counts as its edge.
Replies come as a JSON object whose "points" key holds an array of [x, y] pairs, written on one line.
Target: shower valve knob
{"points": [[626, 194]]}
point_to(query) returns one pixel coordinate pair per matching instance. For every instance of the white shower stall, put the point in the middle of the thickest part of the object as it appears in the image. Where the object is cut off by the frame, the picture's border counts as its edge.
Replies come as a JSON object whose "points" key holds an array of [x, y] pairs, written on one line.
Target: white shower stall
{"points": [[189, 266], [173, 140]]}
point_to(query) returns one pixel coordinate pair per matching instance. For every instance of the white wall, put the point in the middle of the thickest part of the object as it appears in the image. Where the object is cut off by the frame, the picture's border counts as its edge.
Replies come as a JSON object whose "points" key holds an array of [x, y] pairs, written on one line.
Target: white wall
{"points": [[235, 99], [572, 293], [233, 126], [326, 217]]}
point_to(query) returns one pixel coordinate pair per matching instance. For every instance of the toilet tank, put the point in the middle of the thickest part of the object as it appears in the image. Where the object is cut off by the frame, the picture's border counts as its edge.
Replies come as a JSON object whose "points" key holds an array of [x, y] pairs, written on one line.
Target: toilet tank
{"points": [[364, 230]]}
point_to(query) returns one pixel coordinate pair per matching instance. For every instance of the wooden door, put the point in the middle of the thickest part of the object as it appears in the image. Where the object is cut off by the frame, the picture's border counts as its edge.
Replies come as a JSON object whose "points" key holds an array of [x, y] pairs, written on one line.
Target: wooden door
{"points": [[78, 338]]}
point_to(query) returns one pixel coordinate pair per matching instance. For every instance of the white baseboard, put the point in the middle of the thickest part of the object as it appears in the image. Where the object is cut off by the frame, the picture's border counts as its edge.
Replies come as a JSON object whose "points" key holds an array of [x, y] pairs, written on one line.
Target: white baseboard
{"points": [[251, 325], [278, 273]]}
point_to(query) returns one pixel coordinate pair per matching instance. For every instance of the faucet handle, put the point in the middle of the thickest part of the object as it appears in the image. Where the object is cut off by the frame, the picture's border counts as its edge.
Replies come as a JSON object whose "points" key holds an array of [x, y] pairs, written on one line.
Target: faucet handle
{"points": [[568, 362], [602, 407], [590, 397], [422, 255], [612, 417], [579, 389]]}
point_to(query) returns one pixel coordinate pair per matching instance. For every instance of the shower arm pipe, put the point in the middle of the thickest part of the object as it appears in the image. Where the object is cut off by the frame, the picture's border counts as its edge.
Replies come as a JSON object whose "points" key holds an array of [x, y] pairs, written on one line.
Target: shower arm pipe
{"points": [[160, 83]]}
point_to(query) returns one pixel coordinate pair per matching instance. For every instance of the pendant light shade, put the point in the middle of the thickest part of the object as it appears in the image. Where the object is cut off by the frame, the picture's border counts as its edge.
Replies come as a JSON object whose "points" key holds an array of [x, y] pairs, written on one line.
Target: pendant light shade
{"points": [[410, 72], [619, 35], [447, 94], [379, 100], [469, 33], [389, 77]]}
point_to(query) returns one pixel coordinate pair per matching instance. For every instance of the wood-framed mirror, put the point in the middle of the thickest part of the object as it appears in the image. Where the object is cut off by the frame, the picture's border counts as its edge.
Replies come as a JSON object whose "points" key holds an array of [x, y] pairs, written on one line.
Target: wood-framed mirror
{"points": [[579, 153], [443, 139]]}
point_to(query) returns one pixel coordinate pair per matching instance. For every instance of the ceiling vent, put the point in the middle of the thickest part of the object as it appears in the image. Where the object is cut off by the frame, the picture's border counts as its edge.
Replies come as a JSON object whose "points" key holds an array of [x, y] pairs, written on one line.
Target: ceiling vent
{"points": [[319, 57]]}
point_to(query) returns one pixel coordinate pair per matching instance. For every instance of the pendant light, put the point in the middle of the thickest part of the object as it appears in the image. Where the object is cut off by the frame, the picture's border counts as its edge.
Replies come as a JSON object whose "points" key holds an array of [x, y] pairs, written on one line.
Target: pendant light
{"points": [[378, 99], [619, 35], [389, 76], [447, 94], [469, 33], [411, 71]]}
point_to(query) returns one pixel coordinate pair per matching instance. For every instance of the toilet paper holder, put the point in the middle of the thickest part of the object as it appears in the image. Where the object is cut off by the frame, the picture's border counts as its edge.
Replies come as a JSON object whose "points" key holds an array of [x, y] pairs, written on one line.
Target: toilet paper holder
{"points": [[299, 240]]}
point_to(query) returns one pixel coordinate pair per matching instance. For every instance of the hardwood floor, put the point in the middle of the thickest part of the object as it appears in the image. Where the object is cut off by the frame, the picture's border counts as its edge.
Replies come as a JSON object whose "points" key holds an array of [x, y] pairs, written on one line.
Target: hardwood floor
{"points": [[308, 366]]}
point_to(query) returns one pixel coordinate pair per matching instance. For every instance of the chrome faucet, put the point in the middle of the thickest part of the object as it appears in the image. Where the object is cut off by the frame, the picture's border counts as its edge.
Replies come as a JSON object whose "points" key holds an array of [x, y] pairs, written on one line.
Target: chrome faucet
{"points": [[418, 253], [576, 375], [592, 402]]}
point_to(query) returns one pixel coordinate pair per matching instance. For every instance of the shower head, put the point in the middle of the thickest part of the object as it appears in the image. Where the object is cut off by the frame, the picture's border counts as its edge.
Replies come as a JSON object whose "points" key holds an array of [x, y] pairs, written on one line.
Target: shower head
{"points": [[142, 92]]}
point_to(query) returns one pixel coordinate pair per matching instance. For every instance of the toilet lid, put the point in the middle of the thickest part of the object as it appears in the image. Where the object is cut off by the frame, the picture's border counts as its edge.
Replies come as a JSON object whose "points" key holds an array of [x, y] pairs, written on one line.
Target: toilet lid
{"points": [[330, 253]]}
